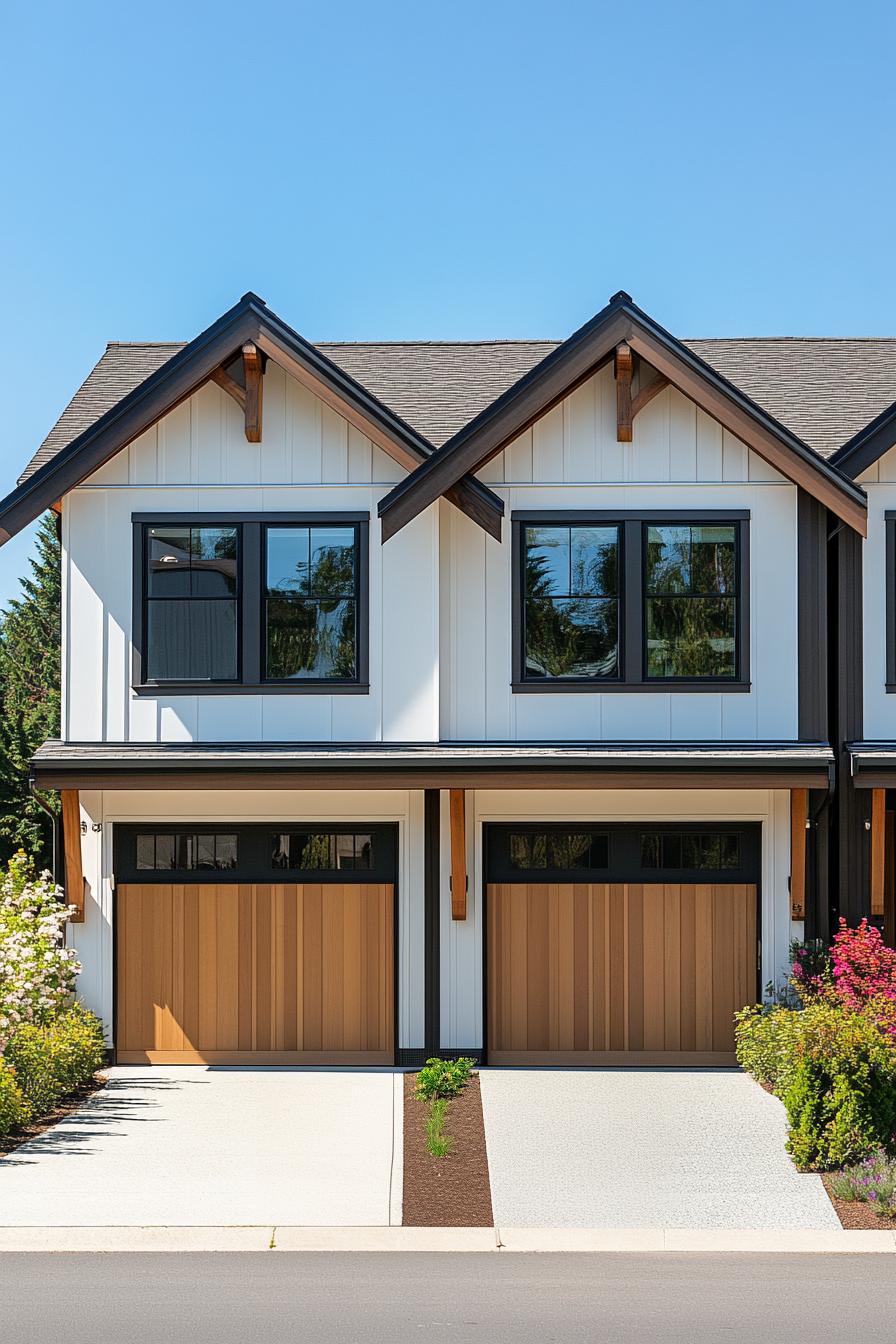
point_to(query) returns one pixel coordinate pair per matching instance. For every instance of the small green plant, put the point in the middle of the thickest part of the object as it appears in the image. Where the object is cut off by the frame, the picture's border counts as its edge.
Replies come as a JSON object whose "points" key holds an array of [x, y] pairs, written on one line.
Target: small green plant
{"points": [[438, 1082], [443, 1077], [438, 1143]]}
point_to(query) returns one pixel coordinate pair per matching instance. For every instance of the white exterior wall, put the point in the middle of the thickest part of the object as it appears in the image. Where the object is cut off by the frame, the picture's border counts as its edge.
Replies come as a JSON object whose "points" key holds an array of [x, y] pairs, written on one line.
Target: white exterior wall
{"points": [[94, 938], [879, 705], [197, 460], [570, 459], [461, 942]]}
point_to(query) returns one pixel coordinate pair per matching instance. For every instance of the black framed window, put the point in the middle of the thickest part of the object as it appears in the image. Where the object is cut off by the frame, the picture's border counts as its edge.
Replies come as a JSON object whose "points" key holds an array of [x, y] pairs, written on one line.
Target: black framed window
{"points": [[272, 602], [652, 852], [627, 601], [311, 602], [192, 592], [318, 852], [571, 600], [690, 600]]}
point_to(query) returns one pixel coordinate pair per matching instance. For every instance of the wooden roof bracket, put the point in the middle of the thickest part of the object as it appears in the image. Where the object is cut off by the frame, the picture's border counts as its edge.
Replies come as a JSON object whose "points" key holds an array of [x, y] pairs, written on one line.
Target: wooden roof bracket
{"points": [[248, 396], [628, 406]]}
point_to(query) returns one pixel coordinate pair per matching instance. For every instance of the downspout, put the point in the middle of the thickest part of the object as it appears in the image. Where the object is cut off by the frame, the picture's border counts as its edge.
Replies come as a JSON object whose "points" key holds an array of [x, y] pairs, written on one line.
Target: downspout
{"points": [[54, 824]]}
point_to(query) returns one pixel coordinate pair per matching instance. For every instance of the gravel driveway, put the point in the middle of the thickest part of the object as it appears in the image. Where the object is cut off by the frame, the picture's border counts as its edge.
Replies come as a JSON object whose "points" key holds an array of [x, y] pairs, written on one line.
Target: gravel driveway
{"points": [[642, 1148]]}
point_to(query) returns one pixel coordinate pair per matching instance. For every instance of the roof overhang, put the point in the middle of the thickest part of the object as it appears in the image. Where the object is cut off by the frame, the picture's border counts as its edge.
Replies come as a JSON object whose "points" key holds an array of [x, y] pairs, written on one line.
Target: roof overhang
{"points": [[868, 446], [872, 764], [576, 360], [446, 765], [250, 320]]}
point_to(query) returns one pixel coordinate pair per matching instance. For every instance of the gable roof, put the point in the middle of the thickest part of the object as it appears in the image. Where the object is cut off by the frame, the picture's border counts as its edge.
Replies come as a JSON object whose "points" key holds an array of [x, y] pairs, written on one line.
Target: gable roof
{"points": [[113, 420], [578, 358], [825, 390]]}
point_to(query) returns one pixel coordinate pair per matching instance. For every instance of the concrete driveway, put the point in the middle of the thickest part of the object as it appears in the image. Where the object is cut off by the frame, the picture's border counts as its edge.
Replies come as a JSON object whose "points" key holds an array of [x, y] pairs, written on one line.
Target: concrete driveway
{"points": [[638, 1148], [216, 1147]]}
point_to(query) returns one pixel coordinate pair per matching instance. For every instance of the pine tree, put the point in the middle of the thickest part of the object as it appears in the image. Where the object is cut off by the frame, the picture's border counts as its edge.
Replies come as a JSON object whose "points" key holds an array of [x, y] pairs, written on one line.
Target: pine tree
{"points": [[30, 642]]}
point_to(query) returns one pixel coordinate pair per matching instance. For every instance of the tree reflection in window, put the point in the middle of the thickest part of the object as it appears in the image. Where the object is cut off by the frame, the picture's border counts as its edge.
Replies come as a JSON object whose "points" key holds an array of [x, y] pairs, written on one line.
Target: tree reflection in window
{"points": [[571, 601], [312, 603], [691, 601]]}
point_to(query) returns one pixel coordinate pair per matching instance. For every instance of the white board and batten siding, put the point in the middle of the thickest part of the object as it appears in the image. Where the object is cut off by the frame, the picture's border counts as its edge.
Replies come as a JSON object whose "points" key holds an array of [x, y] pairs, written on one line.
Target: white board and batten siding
{"points": [[679, 459], [879, 705], [197, 460]]}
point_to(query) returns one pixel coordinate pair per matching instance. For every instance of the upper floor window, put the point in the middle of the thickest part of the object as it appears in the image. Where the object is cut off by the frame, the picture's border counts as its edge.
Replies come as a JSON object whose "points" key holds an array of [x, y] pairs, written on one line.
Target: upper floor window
{"points": [[630, 602], [266, 603]]}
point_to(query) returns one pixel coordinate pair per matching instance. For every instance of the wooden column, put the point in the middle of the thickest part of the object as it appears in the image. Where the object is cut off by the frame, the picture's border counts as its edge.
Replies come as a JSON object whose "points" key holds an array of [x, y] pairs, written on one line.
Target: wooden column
{"points": [[71, 838], [457, 812], [623, 393], [799, 815], [878, 851]]}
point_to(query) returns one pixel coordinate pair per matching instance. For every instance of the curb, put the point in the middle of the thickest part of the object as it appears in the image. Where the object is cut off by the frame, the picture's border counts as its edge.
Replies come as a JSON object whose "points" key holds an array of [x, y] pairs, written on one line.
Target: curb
{"points": [[455, 1239]]}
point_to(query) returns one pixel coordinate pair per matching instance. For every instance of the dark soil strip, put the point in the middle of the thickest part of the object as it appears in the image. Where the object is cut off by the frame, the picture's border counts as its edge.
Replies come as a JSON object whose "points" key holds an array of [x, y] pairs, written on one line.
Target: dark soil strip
{"points": [[450, 1191], [10, 1142], [854, 1214]]}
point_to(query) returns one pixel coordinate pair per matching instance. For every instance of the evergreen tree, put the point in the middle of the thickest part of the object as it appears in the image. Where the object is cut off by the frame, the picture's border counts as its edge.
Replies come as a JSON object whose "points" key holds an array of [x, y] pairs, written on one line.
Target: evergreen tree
{"points": [[30, 642]]}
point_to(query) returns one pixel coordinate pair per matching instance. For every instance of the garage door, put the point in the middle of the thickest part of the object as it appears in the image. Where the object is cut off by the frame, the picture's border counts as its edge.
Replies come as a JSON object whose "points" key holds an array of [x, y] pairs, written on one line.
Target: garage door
{"points": [[265, 945], [619, 944]]}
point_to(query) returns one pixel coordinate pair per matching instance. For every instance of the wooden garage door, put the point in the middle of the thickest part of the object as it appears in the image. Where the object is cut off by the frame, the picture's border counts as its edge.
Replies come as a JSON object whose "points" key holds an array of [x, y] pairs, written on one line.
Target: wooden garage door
{"points": [[618, 973], [619, 942], [255, 973]]}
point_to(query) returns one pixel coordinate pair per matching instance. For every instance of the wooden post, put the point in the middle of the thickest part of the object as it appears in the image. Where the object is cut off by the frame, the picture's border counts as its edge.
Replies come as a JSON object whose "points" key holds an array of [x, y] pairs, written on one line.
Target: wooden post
{"points": [[623, 393], [457, 812], [799, 815], [878, 850], [71, 839]]}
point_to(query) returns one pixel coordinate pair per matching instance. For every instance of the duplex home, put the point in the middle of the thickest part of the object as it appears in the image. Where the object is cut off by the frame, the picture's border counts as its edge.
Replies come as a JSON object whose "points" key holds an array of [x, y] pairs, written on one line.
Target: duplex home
{"points": [[454, 697]]}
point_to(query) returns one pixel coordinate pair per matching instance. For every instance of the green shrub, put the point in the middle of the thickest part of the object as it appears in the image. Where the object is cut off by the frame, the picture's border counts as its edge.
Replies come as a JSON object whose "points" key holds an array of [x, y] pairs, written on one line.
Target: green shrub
{"points": [[14, 1109], [841, 1099], [52, 1060], [443, 1078], [765, 1041]]}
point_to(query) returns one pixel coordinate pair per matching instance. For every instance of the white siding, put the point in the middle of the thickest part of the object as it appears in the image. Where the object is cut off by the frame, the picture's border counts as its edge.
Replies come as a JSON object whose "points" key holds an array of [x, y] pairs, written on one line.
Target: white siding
{"points": [[679, 459], [197, 459], [94, 938], [461, 942], [879, 705]]}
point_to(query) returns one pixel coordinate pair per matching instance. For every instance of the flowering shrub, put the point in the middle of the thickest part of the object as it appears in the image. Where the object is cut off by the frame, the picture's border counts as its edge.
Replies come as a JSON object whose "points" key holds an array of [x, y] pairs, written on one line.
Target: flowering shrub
{"points": [[52, 1060], [37, 974], [870, 1182], [810, 969], [863, 968]]}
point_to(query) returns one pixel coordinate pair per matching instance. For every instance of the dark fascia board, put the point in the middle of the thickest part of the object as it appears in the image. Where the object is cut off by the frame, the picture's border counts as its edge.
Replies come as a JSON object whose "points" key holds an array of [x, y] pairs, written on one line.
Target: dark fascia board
{"points": [[868, 445], [577, 359], [269, 765], [872, 764], [179, 378]]}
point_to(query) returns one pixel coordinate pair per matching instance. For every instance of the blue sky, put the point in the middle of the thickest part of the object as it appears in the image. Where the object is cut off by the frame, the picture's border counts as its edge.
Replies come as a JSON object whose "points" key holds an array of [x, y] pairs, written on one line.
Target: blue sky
{"points": [[406, 170]]}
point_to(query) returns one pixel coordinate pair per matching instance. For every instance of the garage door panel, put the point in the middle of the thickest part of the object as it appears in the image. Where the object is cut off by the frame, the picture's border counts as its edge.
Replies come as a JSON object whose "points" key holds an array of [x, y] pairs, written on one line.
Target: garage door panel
{"points": [[283, 973], [618, 972]]}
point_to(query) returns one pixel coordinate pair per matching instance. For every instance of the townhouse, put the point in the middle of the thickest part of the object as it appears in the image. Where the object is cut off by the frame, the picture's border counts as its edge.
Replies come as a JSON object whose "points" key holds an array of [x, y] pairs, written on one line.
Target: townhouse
{"points": [[502, 698]]}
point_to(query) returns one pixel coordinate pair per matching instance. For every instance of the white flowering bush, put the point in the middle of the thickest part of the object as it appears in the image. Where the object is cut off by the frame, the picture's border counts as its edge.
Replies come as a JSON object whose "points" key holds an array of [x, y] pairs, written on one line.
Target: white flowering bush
{"points": [[37, 974]]}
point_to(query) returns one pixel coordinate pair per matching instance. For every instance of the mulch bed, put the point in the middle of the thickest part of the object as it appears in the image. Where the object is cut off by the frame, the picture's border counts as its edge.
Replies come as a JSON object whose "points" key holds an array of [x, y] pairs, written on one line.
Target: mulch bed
{"points": [[450, 1191], [10, 1142], [853, 1214]]}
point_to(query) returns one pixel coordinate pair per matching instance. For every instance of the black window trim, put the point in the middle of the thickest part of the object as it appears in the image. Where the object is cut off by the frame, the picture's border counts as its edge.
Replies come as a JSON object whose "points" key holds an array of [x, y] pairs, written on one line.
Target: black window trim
{"points": [[890, 599], [251, 851], [624, 853], [250, 603], [632, 542]]}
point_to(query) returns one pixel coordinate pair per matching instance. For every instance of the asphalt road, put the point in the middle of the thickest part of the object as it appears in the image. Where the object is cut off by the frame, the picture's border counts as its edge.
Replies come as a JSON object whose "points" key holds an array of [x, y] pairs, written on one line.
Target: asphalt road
{"points": [[232, 1298]]}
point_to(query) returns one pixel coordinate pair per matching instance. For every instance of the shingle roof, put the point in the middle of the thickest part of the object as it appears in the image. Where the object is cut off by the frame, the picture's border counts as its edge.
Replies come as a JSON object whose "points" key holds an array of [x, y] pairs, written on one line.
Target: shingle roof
{"points": [[822, 389]]}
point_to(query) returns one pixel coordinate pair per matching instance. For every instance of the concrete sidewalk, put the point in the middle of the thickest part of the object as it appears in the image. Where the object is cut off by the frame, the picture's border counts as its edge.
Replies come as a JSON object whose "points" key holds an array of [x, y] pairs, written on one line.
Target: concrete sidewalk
{"points": [[643, 1148], [186, 1147]]}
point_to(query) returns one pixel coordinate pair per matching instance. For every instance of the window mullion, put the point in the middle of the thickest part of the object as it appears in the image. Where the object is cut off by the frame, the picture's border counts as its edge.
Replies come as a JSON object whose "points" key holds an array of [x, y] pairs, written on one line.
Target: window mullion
{"points": [[633, 602], [251, 602]]}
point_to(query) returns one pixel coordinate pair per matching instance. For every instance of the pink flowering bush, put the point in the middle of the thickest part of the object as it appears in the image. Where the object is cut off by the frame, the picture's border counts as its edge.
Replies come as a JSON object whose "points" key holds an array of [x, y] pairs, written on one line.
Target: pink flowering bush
{"points": [[863, 969], [37, 974]]}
